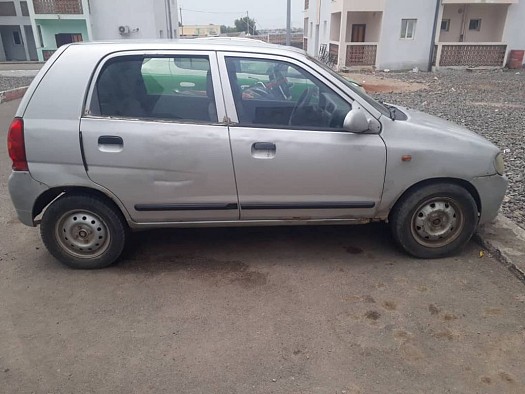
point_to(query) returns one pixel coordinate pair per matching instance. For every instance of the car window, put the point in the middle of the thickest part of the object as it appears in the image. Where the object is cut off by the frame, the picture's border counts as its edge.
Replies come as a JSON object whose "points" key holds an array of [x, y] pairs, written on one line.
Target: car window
{"points": [[177, 88], [274, 93]]}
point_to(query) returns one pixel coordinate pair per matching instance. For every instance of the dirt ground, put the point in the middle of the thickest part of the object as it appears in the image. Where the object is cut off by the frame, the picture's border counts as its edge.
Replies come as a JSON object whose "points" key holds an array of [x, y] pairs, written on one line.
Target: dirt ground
{"points": [[384, 84], [259, 310]]}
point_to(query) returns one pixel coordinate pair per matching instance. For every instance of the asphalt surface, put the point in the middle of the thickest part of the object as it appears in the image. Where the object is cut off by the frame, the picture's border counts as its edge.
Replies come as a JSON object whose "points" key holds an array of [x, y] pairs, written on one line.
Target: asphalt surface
{"points": [[261, 310]]}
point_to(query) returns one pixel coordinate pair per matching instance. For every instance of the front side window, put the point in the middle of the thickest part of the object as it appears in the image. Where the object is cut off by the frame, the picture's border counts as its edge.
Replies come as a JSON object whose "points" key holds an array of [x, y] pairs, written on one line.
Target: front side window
{"points": [[272, 93], [176, 88], [408, 28]]}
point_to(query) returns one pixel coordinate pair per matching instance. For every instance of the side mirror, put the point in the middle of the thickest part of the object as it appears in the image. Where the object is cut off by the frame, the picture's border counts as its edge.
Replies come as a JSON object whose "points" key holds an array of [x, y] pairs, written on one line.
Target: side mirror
{"points": [[356, 120]]}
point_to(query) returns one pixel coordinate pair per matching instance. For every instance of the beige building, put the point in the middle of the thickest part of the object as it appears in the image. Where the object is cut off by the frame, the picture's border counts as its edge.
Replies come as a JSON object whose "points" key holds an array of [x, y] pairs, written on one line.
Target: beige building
{"points": [[200, 30], [403, 34]]}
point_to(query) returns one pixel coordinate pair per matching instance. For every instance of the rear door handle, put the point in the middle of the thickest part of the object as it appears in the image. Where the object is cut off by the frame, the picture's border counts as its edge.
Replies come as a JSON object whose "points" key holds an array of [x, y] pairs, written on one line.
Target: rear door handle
{"points": [[110, 140], [266, 146], [110, 144]]}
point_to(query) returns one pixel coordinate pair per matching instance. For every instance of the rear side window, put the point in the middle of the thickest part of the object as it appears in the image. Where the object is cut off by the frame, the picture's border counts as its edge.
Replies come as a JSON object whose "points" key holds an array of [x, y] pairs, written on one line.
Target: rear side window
{"points": [[178, 88]]}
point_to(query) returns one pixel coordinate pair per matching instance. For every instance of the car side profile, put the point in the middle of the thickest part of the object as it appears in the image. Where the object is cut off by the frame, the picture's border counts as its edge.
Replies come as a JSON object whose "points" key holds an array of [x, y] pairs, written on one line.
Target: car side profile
{"points": [[119, 137]]}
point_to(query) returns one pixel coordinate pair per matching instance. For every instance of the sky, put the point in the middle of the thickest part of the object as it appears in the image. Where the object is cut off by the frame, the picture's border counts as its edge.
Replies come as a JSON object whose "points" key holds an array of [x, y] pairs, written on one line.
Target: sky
{"points": [[268, 14]]}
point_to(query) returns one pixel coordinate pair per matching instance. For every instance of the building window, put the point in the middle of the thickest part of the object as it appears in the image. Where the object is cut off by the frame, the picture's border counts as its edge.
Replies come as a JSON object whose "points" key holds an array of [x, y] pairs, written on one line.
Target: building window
{"points": [[408, 28], [306, 4], [445, 25], [40, 36], [16, 38], [25, 10], [7, 8], [474, 24]]}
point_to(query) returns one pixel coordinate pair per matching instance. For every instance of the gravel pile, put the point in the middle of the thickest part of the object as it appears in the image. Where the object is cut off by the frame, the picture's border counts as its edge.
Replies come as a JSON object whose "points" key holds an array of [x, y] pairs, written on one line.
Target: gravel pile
{"points": [[8, 83], [491, 103]]}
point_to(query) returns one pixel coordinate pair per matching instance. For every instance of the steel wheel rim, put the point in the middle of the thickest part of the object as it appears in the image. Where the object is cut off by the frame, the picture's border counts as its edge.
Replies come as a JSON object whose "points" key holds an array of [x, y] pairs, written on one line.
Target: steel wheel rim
{"points": [[437, 222], [82, 234]]}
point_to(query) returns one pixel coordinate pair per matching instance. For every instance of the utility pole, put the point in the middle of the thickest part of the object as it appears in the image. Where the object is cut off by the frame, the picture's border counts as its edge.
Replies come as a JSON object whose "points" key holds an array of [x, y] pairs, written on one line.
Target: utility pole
{"points": [[181, 22], [289, 22], [248, 22], [169, 26]]}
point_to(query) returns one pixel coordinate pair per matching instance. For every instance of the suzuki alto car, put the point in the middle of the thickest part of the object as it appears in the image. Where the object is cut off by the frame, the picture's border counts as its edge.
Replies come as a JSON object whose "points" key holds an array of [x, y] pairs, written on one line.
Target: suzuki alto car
{"points": [[116, 137]]}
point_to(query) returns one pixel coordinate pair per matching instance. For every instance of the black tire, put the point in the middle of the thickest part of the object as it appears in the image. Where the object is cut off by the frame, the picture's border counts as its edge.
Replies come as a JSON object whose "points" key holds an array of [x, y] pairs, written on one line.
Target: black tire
{"points": [[84, 232], [434, 221]]}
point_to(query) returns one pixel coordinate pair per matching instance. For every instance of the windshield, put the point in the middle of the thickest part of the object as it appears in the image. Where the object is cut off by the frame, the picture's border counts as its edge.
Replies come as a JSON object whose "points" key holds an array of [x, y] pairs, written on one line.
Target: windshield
{"points": [[377, 105]]}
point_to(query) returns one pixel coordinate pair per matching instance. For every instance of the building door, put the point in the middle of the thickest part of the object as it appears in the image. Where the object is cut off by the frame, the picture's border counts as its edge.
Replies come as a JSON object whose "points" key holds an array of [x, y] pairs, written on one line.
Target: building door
{"points": [[67, 38], [358, 33]]}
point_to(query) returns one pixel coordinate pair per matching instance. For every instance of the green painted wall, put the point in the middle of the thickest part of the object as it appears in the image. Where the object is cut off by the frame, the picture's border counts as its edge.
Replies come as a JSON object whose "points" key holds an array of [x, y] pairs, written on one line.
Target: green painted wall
{"points": [[51, 27]]}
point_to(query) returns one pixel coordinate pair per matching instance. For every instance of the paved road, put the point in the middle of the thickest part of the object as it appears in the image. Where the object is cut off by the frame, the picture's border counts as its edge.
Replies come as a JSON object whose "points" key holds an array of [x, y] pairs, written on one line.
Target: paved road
{"points": [[317, 309]]}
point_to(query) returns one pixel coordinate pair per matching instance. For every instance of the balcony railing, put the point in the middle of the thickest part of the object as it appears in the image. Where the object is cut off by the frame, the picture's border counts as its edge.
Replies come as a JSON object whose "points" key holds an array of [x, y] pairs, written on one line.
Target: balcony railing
{"points": [[470, 54], [361, 55], [58, 6]]}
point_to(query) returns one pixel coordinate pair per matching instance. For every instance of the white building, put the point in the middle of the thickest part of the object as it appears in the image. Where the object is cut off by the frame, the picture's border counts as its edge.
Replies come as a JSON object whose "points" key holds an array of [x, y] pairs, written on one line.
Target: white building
{"points": [[403, 34], [17, 42], [59, 22]]}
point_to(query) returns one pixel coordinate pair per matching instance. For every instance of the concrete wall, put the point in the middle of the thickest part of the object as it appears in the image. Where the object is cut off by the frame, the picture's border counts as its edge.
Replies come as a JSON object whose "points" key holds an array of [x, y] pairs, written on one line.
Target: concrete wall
{"points": [[107, 16], [396, 53], [360, 5], [372, 21], [514, 32], [52, 27], [335, 28], [31, 45], [12, 51], [145, 20], [492, 17], [25, 51]]}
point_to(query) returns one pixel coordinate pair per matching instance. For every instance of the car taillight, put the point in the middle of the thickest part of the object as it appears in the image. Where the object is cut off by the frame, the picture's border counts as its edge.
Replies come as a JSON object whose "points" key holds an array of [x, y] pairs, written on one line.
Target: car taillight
{"points": [[16, 145]]}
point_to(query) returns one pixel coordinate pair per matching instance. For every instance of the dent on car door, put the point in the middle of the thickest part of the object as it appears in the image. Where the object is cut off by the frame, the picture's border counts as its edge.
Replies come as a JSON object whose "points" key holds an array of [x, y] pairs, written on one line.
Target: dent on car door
{"points": [[153, 138], [292, 158]]}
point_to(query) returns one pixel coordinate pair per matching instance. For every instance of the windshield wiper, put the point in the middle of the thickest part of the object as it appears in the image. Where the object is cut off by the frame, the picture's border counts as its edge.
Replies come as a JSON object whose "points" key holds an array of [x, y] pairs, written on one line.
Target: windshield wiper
{"points": [[391, 109], [393, 112]]}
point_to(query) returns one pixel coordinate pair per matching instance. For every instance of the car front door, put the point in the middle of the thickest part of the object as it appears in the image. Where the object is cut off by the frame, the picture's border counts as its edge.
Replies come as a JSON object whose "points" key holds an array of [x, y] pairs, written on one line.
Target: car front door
{"points": [[292, 158], [152, 135]]}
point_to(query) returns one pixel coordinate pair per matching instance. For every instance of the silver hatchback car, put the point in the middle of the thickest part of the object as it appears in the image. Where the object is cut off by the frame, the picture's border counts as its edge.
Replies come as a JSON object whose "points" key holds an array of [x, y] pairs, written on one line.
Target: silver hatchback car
{"points": [[113, 137]]}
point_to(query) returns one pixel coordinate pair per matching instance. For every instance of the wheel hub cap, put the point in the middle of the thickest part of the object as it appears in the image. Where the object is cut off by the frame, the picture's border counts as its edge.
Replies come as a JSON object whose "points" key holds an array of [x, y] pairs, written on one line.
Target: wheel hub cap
{"points": [[436, 223], [82, 234]]}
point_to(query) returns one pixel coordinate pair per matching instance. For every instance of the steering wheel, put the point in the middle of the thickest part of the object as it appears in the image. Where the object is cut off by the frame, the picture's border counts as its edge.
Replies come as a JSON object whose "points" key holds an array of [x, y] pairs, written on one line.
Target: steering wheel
{"points": [[304, 100]]}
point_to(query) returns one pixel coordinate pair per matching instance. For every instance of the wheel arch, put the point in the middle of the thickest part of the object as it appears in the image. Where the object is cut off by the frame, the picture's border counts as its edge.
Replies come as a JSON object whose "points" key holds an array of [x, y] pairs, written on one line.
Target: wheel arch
{"points": [[432, 181], [52, 194]]}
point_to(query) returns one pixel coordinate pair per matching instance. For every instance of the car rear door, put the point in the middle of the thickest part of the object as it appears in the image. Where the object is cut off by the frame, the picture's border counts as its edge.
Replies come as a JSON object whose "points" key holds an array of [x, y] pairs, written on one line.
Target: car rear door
{"points": [[292, 158], [153, 136]]}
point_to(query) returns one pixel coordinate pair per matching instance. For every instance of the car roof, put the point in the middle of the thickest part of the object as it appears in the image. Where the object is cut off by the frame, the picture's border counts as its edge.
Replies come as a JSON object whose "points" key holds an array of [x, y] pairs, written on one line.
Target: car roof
{"points": [[236, 44]]}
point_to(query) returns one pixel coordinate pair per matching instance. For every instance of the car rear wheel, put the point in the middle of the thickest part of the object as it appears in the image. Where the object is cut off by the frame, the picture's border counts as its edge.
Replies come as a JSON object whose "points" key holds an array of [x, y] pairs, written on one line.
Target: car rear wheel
{"points": [[434, 221], [83, 232]]}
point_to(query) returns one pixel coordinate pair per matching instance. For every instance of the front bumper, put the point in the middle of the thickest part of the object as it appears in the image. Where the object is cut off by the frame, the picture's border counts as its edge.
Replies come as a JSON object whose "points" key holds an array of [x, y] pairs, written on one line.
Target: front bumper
{"points": [[491, 190], [24, 191]]}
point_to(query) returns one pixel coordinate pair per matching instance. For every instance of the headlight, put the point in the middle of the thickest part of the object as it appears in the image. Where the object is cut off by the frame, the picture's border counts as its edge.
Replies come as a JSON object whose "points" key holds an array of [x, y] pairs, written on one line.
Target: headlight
{"points": [[499, 164]]}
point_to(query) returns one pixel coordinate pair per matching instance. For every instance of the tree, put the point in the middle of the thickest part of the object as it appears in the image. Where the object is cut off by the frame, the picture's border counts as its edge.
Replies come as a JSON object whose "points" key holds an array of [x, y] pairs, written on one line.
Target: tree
{"points": [[228, 29], [246, 24]]}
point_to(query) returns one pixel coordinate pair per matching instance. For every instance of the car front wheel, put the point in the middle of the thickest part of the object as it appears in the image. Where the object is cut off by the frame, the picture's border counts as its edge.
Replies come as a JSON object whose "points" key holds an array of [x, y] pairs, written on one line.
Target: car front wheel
{"points": [[434, 221], [83, 232]]}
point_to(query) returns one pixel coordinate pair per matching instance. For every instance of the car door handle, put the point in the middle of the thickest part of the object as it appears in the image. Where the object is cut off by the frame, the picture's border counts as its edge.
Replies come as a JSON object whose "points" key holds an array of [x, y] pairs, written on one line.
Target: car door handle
{"points": [[266, 146], [110, 140]]}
